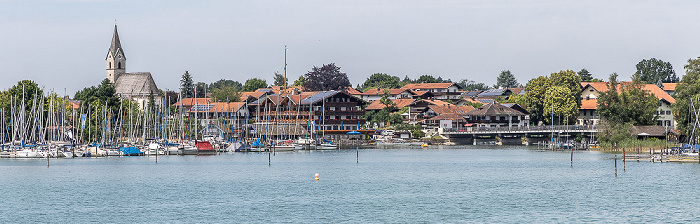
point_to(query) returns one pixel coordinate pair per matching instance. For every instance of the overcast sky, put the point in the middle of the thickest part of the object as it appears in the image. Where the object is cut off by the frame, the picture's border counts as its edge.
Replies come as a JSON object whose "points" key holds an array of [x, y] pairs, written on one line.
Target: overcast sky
{"points": [[63, 44]]}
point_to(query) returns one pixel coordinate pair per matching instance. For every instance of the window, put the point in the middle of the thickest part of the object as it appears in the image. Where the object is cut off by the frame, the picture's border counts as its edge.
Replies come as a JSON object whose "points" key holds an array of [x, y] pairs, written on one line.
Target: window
{"points": [[120, 65], [668, 112], [110, 65]]}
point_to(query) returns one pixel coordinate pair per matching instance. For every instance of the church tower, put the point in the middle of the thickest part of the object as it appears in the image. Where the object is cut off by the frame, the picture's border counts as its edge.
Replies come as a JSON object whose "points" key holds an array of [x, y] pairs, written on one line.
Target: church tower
{"points": [[116, 61]]}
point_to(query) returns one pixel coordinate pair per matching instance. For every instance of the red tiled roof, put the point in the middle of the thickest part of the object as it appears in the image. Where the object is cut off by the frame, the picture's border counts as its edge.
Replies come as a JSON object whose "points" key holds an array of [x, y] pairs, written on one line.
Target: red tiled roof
{"points": [[658, 92], [590, 104], [451, 109], [400, 103], [670, 86], [495, 109], [246, 95], [376, 91], [352, 91], [188, 102], [428, 85]]}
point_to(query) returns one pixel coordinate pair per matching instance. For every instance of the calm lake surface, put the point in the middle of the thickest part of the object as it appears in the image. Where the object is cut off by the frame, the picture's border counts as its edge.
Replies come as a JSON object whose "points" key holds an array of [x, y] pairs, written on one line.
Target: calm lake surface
{"points": [[449, 184]]}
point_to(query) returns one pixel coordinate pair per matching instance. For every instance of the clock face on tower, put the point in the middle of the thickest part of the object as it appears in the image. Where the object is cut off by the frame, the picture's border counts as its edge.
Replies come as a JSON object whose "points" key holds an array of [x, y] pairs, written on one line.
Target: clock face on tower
{"points": [[120, 56]]}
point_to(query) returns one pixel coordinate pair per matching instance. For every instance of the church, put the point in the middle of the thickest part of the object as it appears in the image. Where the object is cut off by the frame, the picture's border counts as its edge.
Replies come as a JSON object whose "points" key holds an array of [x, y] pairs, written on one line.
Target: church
{"points": [[137, 86]]}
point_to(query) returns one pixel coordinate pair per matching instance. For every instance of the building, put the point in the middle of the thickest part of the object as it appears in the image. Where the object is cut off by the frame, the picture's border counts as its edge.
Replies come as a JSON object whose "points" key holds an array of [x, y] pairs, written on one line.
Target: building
{"points": [[591, 90], [377, 93], [136, 86], [497, 115], [587, 112], [440, 91]]}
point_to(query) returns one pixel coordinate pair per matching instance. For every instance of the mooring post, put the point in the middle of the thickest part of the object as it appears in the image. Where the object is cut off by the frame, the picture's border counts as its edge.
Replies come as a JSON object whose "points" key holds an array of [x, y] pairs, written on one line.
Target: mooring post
{"points": [[624, 160], [268, 158], [47, 159], [615, 165], [572, 157]]}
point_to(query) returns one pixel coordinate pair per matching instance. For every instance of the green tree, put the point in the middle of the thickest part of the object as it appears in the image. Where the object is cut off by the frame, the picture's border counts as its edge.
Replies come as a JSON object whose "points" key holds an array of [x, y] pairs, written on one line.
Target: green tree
{"points": [[688, 88], [201, 89], [470, 85], [254, 84], [585, 75], [279, 79], [535, 92], [226, 94], [654, 71], [381, 80], [186, 85], [627, 103], [326, 77], [388, 103], [506, 80], [560, 103], [405, 81], [223, 83], [299, 81], [570, 80], [427, 79]]}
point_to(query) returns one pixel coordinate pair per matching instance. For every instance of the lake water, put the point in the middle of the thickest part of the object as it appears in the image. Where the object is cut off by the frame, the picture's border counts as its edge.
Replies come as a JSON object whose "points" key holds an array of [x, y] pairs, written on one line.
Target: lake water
{"points": [[451, 184]]}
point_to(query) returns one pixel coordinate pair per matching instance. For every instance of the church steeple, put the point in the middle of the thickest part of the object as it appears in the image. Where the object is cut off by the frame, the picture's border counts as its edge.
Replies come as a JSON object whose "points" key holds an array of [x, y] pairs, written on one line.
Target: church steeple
{"points": [[116, 60]]}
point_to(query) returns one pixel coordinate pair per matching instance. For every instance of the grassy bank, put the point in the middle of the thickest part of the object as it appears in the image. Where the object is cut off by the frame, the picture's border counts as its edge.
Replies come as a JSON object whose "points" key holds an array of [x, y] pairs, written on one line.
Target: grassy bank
{"points": [[632, 145]]}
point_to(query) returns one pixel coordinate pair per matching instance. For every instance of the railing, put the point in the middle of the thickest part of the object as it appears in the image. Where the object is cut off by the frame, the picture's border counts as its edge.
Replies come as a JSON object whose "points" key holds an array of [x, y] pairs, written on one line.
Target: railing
{"points": [[556, 128]]}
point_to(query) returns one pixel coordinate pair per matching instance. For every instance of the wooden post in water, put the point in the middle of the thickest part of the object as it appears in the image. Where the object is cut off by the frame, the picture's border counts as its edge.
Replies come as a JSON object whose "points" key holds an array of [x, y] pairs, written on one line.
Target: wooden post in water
{"points": [[624, 160], [268, 158], [47, 159], [615, 165], [156, 155], [572, 157]]}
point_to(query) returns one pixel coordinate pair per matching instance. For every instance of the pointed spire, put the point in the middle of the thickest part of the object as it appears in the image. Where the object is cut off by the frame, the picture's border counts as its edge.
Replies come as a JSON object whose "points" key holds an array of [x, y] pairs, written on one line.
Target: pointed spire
{"points": [[115, 40]]}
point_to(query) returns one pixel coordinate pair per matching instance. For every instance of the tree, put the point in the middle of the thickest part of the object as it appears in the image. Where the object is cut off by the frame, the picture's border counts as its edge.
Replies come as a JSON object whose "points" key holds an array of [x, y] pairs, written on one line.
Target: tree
{"points": [[186, 85], [506, 80], [688, 88], [254, 84], [470, 85], [279, 79], [380, 80], [105, 92], [201, 89], [570, 80], [226, 94], [405, 81], [299, 81], [172, 97], [427, 79], [223, 83], [388, 103], [654, 71], [627, 103], [561, 105], [326, 77], [585, 75], [535, 92]]}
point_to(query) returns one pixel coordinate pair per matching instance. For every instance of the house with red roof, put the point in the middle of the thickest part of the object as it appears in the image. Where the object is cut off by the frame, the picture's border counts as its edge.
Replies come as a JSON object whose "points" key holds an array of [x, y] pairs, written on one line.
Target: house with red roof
{"points": [[440, 91], [591, 90]]}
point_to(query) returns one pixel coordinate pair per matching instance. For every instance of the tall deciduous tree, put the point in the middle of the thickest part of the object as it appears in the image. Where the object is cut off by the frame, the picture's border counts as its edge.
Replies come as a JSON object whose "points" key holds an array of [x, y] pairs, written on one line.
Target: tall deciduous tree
{"points": [[470, 85], [279, 79], [561, 105], [201, 89], [186, 85], [326, 77], [506, 80], [570, 80], [627, 103], [226, 94], [535, 93], [381, 80], [585, 75], [253, 84], [223, 83], [299, 81], [688, 89], [654, 71]]}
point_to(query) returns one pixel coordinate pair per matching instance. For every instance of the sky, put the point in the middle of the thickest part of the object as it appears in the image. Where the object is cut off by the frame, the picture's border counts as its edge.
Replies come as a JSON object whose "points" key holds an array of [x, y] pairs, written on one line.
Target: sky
{"points": [[62, 44]]}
